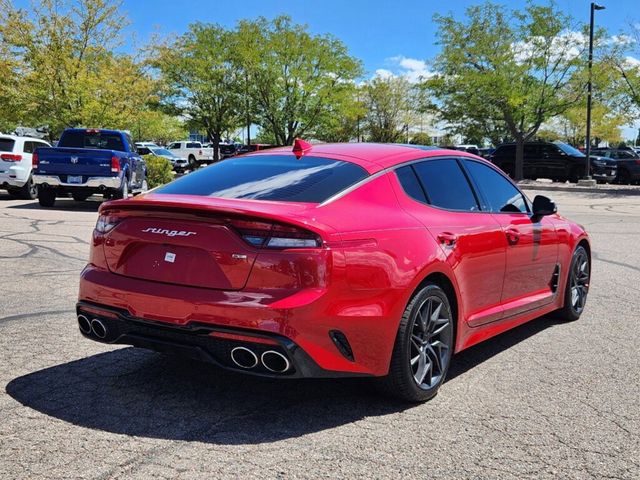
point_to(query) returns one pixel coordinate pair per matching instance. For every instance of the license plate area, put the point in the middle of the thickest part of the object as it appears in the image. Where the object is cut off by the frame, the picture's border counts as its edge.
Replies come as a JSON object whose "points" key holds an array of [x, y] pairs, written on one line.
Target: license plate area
{"points": [[76, 179]]}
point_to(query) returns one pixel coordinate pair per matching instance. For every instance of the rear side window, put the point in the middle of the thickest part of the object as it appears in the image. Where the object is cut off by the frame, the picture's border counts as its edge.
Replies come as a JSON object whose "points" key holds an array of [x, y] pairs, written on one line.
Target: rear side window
{"points": [[6, 145], [270, 177], [28, 147], [83, 139], [446, 185], [499, 192], [193, 145], [410, 183], [505, 151]]}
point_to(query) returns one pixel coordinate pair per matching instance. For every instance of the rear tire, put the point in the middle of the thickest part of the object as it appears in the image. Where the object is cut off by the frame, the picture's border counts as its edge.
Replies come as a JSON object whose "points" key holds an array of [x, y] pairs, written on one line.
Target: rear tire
{"points": [[575, 174], [123, 191], [29, 190], [46, 197], [577, 286], [624, 177], [423, 347]]}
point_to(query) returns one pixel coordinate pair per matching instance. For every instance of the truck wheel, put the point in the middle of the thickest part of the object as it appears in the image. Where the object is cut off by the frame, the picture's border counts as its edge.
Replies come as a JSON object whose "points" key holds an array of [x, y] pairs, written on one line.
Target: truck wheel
{"points": [[123, 192], [575, 174], [29, 190], [192, 163], [46, 197]]}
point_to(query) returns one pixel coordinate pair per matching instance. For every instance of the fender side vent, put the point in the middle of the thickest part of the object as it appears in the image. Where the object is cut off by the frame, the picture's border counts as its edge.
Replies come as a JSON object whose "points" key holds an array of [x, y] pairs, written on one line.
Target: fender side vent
{"points": [[342, 344], [555, 279]]}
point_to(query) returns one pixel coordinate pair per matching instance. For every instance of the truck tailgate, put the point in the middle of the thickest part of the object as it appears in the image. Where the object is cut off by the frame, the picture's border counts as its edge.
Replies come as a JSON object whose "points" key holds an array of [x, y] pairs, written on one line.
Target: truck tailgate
{"points": [[74, 161]]}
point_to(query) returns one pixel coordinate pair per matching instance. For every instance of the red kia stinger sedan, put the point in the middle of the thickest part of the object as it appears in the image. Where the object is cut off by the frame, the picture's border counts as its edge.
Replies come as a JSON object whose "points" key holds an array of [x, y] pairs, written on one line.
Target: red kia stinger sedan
{"points": [[332, 260]]}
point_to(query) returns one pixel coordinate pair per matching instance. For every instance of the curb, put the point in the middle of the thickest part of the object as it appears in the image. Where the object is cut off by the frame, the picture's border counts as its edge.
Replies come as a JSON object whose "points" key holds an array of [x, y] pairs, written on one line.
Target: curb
{"points": [[599, 189]]}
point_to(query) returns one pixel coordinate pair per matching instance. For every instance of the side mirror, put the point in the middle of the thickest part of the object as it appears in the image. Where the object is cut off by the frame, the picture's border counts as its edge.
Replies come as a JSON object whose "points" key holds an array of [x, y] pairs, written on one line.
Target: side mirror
{"points": [[543, 206]]}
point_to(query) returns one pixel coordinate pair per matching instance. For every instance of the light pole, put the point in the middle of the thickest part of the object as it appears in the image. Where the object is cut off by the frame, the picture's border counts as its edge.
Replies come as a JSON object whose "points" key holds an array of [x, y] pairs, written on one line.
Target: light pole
{"points": [[587, 174]]}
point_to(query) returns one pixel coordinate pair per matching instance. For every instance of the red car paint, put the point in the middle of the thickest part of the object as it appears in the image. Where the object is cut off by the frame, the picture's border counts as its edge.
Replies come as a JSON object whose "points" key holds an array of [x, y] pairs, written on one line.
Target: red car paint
{"points": [[378, 245]]}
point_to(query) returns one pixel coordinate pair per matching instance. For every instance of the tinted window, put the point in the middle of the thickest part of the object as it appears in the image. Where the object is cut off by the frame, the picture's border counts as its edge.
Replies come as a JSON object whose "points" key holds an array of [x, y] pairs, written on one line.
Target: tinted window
{"points": [[161, 151], [569, 150], [174, 146], [143, 151], [28, 147], [446, 185], [501, 195], [277, 177], [410, 183], [83, 139], [6, 145], [193, 145]]}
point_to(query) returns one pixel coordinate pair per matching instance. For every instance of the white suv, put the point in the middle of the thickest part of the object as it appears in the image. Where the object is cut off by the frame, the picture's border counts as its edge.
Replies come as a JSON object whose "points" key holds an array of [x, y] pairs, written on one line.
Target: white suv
{"points": [[15, 164]]}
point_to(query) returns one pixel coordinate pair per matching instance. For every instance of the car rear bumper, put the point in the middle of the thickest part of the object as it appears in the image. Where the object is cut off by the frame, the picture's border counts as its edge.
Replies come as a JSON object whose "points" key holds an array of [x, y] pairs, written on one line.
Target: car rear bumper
{"points": [[88, 182], [13, 176], [302, 324], [204, 342]]}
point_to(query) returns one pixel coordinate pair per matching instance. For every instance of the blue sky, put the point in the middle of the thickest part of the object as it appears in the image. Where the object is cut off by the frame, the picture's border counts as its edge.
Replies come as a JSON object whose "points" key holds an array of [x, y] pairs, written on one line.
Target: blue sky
{"points": [[378, 32]]}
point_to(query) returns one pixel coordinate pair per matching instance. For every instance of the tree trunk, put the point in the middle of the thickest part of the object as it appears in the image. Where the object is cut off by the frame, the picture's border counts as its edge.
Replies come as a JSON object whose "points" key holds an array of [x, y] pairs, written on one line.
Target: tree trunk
{"points": [[518, 172], [216, 147]]}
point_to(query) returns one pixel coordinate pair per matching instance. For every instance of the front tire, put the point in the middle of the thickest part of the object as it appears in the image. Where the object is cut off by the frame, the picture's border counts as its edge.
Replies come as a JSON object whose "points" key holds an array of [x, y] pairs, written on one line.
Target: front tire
{"points": [[423, 348], [577, 285], [46, 197]]}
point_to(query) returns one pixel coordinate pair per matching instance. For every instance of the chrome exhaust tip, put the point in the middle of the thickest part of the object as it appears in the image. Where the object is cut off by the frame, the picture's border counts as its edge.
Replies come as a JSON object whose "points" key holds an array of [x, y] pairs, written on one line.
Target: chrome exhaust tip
{"points": [[84, 324], [98, 328], [275, 361], [244, 358]]}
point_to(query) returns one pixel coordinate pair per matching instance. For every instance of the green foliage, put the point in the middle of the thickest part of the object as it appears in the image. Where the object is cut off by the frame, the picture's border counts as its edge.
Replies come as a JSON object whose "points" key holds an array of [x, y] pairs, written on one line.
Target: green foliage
{"points": [[65, 69], [420, 138], [295, 80], [202, 80], [512, 67], [388, 104], [159, 170]]}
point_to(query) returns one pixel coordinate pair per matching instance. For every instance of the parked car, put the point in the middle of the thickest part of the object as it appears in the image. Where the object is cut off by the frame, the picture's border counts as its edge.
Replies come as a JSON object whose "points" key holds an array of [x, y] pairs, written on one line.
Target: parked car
{"points": [[15, 165], [468, 148], [87, 162], [628, 162], [227, 150], [146, 144], [555, 160], [486, 152], [254, 147], [259, 264], [179, 164], [194, 152]]}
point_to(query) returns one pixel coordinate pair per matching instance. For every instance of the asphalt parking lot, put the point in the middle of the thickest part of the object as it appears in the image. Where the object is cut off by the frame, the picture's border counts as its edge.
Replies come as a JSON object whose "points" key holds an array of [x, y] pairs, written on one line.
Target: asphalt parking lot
{"points": [[547, 400]]}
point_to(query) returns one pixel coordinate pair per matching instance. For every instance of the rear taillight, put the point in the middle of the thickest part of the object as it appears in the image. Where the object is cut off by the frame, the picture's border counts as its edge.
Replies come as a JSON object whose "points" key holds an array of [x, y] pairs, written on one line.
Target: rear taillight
{"points": [[106, 223], [11, 157], [266, 235], [34, 160], [115, 164]]}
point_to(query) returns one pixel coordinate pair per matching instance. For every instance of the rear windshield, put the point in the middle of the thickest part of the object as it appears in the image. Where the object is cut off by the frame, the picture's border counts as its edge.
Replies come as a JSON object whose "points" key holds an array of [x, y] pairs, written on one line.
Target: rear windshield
{"points": [[270, 177], [102, 141], [6, 145]]}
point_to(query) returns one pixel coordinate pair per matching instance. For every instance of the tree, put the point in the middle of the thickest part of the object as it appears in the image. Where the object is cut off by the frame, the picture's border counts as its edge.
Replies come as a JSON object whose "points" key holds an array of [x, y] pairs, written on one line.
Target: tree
{"points": [[340, 120], [508, 65], [420, 138], [64, 71], [388, 103], [292, 76], [157, 126], [202, 79]]}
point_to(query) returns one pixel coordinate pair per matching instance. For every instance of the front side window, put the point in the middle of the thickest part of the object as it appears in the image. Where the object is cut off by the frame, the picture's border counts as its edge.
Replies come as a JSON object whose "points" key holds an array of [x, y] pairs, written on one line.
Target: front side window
{"points": [[569, 150], [499, 192], [274, 177], [446, 185]]}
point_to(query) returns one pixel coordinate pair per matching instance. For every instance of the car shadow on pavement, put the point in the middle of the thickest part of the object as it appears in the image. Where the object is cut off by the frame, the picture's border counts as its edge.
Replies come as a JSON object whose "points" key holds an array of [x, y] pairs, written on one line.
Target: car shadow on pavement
{"points": [[137, 392], [66, 204]]}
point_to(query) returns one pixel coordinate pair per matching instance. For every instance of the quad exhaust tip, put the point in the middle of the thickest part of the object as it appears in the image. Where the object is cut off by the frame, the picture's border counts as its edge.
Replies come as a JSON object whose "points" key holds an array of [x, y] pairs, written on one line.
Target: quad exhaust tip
{"points": [[84, 324], [244, 358], [98, 328], [275, 361]]}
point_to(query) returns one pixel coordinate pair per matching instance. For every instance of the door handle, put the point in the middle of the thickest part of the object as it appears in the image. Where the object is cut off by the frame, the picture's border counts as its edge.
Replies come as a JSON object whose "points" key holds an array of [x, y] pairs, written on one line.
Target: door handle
{"points": [[448, 239], [513, 235]]}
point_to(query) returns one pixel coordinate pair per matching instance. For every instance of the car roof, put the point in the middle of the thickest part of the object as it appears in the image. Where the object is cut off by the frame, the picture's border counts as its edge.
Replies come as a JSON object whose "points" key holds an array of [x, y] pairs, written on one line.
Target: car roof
{"points": [[373, 157], [17, 137]]}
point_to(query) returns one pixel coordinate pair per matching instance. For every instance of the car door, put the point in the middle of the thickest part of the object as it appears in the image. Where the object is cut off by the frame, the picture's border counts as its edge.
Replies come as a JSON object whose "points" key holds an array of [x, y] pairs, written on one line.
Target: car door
{"points": [[439, 195], [556, 162], [532, 243], [534, 165]]}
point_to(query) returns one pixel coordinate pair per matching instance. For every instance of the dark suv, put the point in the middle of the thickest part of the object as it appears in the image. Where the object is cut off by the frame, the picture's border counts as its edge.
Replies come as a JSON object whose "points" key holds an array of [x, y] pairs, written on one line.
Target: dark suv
{"points": [[628, 163], [557, 161]]}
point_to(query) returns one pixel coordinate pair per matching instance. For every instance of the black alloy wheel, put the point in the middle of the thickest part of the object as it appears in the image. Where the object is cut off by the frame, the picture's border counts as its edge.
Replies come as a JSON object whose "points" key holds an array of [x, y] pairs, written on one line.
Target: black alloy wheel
{"points": [[577, 286], [423, 348]]}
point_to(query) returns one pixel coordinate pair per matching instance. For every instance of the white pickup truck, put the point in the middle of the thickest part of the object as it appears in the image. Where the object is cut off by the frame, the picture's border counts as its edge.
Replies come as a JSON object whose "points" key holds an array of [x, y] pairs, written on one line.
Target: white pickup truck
{"points": [[194, 152]]}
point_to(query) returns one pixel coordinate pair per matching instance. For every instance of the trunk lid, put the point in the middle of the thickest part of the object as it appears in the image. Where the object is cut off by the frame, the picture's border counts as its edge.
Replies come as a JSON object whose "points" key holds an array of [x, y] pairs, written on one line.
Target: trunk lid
{"points": [[187, 240]]}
